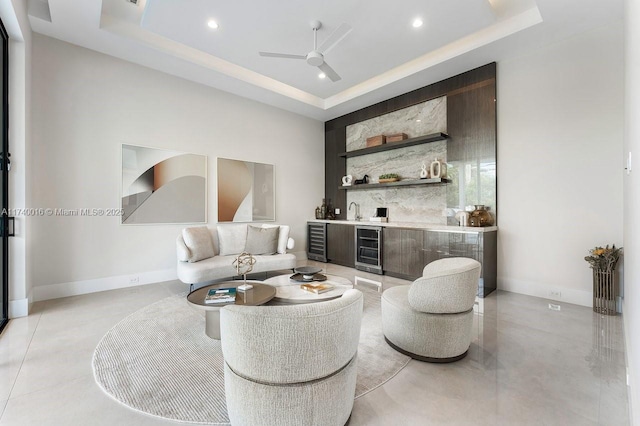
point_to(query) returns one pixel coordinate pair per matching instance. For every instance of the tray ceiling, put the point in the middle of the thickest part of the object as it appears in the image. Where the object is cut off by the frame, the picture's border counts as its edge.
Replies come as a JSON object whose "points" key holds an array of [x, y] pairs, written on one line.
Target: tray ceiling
{"points": [[382, 56]]}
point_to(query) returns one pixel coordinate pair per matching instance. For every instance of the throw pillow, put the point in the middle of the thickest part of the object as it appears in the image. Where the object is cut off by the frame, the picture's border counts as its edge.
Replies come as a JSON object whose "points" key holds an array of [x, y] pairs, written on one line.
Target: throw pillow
{"points": [[198, 241], [262, 240], [283, 239], [232, 238]]}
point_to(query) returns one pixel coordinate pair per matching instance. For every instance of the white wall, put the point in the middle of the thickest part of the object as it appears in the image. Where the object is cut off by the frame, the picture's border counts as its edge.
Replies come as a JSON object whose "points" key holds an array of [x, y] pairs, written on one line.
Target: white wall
{"points": [[86, 105], [631, 306], [560, 121]]}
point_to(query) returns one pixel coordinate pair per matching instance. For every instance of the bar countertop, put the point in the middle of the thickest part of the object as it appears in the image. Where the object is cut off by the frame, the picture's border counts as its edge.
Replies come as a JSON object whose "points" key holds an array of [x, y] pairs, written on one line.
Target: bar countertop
{"points": [[410, 225]]}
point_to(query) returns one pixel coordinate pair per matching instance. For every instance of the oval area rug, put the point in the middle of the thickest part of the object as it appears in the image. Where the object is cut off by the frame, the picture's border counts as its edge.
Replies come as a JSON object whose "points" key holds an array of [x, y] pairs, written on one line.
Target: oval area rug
{"points": [[159, 361]]}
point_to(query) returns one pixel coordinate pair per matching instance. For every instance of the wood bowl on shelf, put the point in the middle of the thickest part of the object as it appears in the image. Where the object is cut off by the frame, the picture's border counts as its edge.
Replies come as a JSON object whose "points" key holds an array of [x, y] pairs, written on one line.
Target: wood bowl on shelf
{"points": [[388, 180]]}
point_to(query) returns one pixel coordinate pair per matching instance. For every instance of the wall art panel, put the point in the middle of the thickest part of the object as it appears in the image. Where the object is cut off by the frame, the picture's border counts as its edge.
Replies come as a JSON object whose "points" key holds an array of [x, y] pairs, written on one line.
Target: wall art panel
{"points": [[162, 186], [246, 191]]}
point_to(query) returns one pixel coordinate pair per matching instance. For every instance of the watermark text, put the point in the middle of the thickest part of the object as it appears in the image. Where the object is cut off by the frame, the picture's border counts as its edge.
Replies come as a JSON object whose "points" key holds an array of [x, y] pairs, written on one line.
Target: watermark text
{"points": [[48, 211]]}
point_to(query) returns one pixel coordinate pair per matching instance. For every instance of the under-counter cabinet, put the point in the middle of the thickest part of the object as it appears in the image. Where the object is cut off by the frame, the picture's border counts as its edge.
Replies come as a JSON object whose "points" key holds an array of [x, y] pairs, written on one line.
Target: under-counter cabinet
{"points": [[405, 251], [481, 246], [402, 254], [331, 242], [340, 244]]}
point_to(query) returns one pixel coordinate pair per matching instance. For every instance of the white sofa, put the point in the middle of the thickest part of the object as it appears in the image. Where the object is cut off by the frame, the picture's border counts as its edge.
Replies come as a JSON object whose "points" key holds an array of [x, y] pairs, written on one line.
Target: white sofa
{"points": [[206, 253]]}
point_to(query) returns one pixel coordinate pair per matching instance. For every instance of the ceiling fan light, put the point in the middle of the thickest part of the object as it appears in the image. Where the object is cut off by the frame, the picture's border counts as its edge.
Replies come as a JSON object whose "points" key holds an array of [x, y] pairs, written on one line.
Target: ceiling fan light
{"points": [[417, 23], [322, 75], [212, 24]]}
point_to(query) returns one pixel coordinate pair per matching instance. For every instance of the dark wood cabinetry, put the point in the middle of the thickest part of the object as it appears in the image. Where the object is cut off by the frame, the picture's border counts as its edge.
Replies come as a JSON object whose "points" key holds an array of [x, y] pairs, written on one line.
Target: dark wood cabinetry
{"points": [[412, 257], [331, 242], [405, 251], [392, 250], [341, 244], [402, 254], [335, 168], [481, 246]]}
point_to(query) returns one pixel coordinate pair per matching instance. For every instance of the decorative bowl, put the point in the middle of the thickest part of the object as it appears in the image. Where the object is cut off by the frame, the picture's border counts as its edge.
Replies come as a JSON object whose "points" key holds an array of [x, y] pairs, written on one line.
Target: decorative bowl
{"points": [[307, 271]]}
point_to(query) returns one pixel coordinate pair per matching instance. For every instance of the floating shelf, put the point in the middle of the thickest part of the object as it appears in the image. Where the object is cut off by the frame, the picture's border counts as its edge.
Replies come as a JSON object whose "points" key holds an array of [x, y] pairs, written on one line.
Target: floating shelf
{"points": [[434, 137], [412, 182]]}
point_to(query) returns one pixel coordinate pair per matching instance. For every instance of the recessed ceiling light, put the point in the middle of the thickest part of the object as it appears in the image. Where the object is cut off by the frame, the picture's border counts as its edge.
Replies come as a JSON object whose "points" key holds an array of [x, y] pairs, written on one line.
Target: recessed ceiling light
{"points": [[418, 120], [212, 24], [417, 23], [322, 75]]}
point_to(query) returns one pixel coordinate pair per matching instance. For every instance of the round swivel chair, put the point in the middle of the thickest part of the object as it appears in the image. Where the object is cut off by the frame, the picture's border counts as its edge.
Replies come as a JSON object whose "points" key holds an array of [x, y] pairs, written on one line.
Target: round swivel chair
{"points": [[431, 319], [291, 365]]}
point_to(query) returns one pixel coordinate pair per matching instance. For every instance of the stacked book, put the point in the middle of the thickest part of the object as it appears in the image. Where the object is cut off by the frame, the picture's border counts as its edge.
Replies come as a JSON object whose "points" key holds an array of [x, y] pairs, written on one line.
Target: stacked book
{"points": [[220, 295], [317, 288]]}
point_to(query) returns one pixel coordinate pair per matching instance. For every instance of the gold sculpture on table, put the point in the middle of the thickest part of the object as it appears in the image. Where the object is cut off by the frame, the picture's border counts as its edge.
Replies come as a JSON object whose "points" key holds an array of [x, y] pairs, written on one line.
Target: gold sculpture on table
{"points": [[244, 264]]}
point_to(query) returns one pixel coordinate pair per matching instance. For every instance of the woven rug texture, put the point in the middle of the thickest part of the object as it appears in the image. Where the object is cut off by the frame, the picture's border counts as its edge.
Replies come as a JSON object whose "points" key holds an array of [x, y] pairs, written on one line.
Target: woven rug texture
{"points": [[159, 361]]}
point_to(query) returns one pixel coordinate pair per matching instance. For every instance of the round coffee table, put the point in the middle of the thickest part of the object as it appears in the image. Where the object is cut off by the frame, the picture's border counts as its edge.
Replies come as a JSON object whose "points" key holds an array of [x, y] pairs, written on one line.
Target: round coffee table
{"points": [[259, 294], [289, 291]]}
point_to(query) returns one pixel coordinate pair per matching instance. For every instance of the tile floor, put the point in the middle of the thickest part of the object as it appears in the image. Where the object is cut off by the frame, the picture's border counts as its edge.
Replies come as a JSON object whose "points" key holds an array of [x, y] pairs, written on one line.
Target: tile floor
{"points": [[527, 365]]}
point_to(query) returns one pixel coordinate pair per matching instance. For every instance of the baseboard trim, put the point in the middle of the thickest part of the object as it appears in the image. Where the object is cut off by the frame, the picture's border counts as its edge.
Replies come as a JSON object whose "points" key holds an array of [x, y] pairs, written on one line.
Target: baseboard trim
{"points": [[544, 291], [75, 288], [18, 308]]}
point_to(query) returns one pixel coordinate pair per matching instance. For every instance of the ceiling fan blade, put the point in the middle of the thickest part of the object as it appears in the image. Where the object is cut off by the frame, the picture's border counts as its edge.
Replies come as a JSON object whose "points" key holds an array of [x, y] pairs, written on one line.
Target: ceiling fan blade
{"points": [[335, 38], [282, 55], [329, 72]]}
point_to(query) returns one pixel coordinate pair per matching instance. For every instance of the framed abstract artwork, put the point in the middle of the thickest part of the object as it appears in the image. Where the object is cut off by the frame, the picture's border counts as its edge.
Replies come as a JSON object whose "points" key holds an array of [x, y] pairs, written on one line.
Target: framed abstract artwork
{"points": [[246, 191], [162, 186]]}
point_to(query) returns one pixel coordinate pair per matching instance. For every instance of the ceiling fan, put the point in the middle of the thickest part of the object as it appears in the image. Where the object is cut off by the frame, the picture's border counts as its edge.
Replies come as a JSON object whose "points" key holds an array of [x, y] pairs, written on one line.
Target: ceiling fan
{"points": [[316, 56]]}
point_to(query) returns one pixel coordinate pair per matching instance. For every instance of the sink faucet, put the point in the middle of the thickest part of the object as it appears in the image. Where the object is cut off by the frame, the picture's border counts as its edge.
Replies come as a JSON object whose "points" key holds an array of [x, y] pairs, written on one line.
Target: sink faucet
{"points": [[353, 203]]}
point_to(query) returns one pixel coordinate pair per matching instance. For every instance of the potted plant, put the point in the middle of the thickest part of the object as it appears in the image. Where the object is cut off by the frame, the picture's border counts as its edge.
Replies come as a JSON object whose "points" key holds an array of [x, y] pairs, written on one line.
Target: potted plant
{"points": [[388, 177], [603, 261]]}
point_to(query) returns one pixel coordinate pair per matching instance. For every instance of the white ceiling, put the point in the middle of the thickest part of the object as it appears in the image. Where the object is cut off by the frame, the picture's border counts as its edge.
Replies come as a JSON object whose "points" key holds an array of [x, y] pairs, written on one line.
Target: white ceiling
{"points": [[383, 55]]}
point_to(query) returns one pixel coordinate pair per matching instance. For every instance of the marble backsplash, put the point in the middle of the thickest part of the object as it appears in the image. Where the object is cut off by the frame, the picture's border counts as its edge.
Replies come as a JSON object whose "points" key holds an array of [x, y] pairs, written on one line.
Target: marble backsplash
{"points": [[405, 204], [432, 116], [424, 204]]}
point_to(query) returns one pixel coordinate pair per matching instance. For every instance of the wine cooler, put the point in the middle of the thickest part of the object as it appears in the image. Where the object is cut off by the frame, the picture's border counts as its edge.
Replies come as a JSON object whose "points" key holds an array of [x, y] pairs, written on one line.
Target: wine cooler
{"points": [[317, 241], [369, 249]]}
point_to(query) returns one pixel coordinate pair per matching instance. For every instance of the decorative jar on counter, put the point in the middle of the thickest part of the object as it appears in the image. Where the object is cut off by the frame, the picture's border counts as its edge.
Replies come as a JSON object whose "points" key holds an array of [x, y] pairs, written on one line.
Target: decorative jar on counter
{"points": [[329, 213], [480, 217], [323, 209]]}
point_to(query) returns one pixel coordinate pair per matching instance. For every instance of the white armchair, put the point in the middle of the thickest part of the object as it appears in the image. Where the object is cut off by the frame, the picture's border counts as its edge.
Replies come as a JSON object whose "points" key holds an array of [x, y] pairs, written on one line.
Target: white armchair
{"points": [[432, 319], [292, 365]]}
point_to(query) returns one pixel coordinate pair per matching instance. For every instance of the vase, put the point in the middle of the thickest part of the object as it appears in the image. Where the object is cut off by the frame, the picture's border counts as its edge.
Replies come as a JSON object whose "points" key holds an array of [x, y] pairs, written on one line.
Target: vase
{"points": [[438, 169], [480, 217], [318, 213], [329, 214], [424, 173], [605, 291], [463, 218]]}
